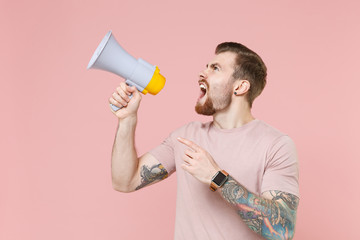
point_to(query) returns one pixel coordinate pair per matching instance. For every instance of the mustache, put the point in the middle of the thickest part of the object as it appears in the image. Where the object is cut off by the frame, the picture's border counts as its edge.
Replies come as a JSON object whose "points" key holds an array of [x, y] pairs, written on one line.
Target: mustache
{"points": [[205, 82]]}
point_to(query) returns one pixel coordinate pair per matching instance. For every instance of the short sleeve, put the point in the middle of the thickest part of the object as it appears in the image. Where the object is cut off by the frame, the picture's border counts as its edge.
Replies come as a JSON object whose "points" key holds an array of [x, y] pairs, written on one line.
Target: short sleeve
{"points": [[164, 153], [282, 168]]}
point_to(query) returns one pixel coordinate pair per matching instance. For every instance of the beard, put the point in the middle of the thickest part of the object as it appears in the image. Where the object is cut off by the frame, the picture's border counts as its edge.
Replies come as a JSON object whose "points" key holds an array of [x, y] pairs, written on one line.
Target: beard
{"points": [[214, 104]]}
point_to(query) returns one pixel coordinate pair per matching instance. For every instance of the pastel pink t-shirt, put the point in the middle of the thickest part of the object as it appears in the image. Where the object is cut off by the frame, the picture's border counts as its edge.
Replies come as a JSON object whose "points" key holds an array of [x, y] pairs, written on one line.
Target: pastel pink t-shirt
{"points": [[257, 155]]}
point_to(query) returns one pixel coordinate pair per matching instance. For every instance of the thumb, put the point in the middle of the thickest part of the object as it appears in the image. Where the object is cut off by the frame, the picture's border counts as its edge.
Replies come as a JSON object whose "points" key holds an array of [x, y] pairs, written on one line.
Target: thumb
{"points": [[135, 92], [131, 88]]}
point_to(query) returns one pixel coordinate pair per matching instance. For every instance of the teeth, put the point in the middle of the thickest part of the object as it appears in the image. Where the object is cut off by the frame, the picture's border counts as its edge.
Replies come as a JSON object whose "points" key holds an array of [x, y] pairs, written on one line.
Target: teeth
{"points": [[202, 86]]}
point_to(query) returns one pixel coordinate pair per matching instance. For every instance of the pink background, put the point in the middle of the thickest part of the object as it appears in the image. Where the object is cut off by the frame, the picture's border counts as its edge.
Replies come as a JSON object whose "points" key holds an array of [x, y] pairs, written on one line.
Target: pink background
{"points": [[57, 130]]}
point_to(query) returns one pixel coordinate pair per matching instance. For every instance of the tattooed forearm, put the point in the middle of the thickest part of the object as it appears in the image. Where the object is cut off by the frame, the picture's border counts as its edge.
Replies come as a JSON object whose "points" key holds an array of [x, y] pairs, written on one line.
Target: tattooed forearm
{"points": [[273, 219], [151, 174]]}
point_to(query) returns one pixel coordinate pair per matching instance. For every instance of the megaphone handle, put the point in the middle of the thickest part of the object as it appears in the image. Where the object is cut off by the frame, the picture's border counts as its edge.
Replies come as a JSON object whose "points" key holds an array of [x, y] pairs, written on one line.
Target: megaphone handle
{"points": [[115, 108]]}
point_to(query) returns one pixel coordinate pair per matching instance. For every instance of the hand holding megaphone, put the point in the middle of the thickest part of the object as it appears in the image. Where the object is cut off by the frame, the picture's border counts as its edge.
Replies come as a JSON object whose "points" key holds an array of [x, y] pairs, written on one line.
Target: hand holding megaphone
{"points": [[121, 99], [110, 56]]}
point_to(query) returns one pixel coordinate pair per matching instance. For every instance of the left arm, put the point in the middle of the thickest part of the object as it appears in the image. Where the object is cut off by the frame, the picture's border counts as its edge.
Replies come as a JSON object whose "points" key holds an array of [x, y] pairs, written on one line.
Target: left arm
{"points": [[271, 215]]}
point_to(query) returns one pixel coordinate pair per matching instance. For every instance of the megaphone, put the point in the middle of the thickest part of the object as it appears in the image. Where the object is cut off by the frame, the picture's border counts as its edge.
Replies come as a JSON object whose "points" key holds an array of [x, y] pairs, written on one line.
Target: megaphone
{"points": [[110, 56]]}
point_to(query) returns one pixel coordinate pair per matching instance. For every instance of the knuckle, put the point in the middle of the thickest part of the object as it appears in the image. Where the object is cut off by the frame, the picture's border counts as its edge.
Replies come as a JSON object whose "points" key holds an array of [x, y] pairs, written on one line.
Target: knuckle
{"points": [[123, 97], [121, 93], [123, 87], [119, 90], [117, 104]]}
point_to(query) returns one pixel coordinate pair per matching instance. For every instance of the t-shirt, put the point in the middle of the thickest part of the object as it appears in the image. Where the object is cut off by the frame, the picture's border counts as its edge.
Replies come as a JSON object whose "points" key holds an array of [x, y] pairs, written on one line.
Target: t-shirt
{"points": [[258, 156]]}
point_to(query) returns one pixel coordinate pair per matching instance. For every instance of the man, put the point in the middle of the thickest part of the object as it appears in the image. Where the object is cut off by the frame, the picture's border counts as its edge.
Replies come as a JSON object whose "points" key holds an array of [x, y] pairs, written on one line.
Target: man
{"points": [[237, 176]]}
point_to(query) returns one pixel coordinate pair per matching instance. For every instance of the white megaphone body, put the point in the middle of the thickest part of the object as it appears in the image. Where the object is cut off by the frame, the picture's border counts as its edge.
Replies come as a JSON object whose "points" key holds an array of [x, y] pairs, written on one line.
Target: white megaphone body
{"points": [[111, 57]]}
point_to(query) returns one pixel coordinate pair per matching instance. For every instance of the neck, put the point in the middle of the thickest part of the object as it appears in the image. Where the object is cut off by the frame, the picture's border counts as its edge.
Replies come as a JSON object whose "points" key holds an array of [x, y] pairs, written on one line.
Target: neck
{"points": [[234, 116]]}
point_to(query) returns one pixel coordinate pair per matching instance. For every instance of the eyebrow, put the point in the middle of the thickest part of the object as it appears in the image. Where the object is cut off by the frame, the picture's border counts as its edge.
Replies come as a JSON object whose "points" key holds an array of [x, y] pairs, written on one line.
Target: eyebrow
{"points": [[213, 65]]}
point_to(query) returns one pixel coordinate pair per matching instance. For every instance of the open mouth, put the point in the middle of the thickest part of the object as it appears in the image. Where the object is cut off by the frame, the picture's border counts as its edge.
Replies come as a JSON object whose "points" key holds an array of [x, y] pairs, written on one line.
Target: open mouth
{"points": [[203, 89]]}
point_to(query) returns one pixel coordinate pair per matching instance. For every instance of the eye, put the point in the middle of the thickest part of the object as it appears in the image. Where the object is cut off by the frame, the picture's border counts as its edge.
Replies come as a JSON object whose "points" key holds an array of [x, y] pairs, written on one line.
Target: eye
{"points": [[215, 67]]}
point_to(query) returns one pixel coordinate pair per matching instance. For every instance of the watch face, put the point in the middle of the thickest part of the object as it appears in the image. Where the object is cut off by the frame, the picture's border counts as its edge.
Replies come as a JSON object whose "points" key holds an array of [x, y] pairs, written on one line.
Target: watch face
{"points": [[219, 178]]}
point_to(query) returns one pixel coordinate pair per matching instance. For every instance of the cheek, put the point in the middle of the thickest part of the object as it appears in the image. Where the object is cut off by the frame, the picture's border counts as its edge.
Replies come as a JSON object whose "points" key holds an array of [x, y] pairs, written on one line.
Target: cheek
{"points": [[220, 84], [216, 86], [220, 89]]}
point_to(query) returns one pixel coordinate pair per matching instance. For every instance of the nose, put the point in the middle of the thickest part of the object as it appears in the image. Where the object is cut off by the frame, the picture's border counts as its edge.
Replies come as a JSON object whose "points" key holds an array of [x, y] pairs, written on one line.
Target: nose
{"points": [[202, 74]]}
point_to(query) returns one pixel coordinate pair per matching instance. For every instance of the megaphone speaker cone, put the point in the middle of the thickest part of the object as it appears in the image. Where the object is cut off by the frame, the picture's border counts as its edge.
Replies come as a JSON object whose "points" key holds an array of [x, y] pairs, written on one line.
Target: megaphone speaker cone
{"points": [[99, 49]]}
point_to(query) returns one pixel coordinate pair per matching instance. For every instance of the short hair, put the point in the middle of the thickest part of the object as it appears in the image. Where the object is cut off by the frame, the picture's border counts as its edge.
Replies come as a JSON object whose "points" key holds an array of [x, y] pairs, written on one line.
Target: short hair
{"points": [[248, 66]]}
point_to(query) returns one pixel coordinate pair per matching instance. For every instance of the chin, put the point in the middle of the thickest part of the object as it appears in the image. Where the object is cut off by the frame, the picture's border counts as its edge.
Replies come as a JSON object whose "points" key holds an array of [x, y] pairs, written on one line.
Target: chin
{"points": [[206, 108], [203, 112]]}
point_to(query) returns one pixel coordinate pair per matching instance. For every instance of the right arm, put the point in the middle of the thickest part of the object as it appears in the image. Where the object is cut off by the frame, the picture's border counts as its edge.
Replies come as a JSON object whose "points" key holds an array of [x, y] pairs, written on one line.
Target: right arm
{"points": [[130, 173]]}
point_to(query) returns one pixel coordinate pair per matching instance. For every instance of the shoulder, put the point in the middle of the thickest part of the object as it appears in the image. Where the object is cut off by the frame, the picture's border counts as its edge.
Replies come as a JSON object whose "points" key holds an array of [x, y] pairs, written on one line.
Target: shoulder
{"points": [[268, 130], [272, 134], [275, 138]]}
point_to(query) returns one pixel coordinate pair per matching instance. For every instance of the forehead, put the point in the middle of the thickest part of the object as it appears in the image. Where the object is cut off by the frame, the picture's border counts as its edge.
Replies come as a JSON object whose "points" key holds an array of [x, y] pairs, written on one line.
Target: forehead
{"points": [[225, 59]]}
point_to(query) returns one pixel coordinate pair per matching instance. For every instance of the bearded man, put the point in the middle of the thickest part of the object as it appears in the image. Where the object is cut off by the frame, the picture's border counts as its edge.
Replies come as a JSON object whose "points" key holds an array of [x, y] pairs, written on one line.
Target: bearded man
{"points": [[237, 177]]}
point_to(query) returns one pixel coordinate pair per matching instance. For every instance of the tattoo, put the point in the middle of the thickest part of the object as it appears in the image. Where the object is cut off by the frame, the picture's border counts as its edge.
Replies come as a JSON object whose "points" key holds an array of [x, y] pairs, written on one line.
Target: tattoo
{"points": [[152, 174], [271, 218]]}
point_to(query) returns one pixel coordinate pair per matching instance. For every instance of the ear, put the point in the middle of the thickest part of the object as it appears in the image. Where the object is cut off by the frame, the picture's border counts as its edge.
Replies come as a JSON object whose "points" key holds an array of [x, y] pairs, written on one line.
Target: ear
{"points": [[241, 87]]}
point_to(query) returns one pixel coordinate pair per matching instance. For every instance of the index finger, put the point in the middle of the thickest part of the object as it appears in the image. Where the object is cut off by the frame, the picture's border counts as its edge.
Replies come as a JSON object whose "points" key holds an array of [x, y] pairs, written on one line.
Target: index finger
{"points": [[190, 144]]}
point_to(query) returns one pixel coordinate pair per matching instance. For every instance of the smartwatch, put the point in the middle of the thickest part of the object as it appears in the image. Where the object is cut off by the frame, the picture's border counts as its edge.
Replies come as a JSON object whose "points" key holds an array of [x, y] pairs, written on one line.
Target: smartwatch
{"points": [[218, 180]]}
